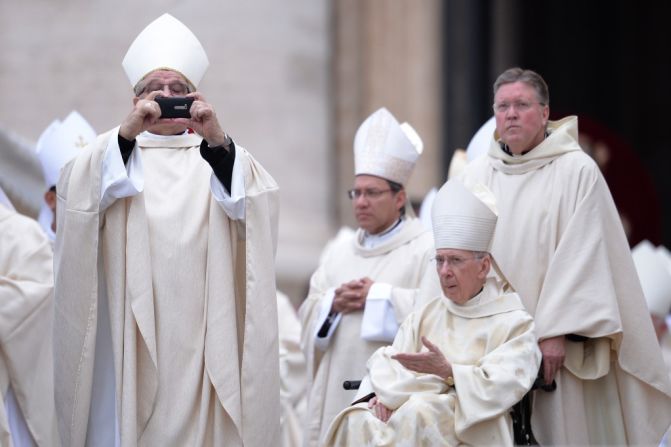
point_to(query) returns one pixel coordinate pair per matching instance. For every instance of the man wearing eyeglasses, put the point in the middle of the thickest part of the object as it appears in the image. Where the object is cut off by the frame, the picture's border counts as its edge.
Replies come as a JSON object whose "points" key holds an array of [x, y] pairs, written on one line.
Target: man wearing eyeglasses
{"points": [[561, 243], [166, 318], [368, 280]]}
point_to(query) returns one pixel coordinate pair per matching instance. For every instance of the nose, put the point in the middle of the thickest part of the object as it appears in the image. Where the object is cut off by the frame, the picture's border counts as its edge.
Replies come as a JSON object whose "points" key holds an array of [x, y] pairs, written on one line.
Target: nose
{"points": [[511, 113], [445, 270], [360, 201]]}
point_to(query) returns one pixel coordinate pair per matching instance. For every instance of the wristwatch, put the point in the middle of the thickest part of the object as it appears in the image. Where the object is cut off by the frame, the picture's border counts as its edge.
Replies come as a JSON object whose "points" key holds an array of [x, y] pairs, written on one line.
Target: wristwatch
{"points": [[228, 141], [449, 381]]}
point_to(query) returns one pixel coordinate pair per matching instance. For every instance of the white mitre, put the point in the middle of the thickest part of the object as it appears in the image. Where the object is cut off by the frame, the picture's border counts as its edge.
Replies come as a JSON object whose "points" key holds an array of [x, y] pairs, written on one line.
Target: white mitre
{"points": [[464, 218], [665, 254], [457, 163], [60, 142], [166, 43], [384, 148], [655, 277], [426, 207], [482, 139]]}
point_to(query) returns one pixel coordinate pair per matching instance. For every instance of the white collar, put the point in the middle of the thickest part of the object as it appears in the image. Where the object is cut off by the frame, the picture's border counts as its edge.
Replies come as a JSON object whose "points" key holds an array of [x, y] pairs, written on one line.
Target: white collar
{"points": [[373, 240]]}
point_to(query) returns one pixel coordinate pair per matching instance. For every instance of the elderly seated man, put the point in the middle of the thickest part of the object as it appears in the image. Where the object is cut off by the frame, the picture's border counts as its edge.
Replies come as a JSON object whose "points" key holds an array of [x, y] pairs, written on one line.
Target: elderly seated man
{"points": [[458, 364]]}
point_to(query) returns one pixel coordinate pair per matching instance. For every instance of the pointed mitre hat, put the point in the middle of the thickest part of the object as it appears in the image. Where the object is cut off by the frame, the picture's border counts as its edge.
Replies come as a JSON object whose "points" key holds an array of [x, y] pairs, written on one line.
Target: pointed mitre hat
{"points": [[482, 139], [464, 218], [384, 148], [655, 276], [61, 142], [166, 43], [457, 163], [457, 166]]}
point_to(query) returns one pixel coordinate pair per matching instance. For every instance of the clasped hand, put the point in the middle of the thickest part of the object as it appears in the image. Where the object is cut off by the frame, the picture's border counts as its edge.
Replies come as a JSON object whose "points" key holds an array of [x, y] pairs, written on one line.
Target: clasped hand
{"points": [[351, 296]]}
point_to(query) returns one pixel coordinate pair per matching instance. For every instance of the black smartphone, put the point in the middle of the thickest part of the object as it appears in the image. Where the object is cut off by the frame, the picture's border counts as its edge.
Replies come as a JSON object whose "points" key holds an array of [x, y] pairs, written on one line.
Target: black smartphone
{"points": [[174, 106]]}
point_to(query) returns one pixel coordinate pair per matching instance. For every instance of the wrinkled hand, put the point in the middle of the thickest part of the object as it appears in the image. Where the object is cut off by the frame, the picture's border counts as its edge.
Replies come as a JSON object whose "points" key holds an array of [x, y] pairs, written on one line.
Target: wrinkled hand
{"points": [[381, 412], [351, 296], [146, 112], [204, 120], [554, 352], [430, 362]]}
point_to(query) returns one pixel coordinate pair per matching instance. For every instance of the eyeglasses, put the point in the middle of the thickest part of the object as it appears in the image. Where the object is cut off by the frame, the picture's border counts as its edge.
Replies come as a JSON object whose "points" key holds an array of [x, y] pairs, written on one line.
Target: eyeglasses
{"points": [[452, 261], [520, 106], [369, 193], [177, 88]]}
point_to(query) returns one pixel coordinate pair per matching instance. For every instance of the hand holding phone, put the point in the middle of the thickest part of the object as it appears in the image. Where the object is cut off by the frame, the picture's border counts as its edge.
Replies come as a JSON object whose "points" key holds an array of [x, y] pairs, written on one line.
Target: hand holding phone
{"points": [[174, 106]]}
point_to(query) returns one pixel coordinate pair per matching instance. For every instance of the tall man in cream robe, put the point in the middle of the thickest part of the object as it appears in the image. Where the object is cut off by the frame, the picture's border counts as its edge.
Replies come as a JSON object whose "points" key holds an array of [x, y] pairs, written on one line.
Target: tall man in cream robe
{"points": [[367, 281], [461, 362], [27, 413], [166, 314], [561, 244], [59, 143]]}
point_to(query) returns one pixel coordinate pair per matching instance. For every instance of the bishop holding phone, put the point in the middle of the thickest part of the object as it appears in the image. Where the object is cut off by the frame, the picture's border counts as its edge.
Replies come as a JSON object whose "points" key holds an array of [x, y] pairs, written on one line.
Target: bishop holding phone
{"points": [[157, 312]]}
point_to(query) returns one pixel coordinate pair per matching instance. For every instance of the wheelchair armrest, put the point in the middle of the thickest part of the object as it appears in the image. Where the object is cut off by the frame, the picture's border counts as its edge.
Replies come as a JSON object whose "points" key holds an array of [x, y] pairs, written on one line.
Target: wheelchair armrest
{"points": [[539, 384]]}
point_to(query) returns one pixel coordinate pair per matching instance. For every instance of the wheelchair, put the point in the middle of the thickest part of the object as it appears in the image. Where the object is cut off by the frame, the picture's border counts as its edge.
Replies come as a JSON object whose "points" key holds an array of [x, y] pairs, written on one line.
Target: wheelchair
{"points": [[520, 412]]}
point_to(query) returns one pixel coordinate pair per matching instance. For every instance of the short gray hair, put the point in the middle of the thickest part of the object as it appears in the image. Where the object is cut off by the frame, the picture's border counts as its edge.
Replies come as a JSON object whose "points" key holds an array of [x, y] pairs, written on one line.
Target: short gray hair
{"points": [[481, 254], [142, 84], [529, 77]]}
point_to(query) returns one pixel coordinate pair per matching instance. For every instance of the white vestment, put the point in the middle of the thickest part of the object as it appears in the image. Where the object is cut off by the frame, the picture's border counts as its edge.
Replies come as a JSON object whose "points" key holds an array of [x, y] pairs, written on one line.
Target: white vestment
{"points": [[560, 242], [489, 342], [27, 411], [293, 377], [399, 264], [165, 300], [665, 344]]}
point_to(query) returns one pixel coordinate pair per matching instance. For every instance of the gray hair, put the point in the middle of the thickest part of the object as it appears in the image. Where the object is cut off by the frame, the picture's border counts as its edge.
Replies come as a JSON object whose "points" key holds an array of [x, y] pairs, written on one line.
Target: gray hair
{"points": [[481, 254], [529, 77], [142, 84]]}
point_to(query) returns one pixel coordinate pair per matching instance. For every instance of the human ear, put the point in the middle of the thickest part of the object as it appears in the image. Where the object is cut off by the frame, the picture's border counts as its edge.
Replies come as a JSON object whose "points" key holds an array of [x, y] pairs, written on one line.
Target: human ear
{"points": [[50, 199], [485, 265]]}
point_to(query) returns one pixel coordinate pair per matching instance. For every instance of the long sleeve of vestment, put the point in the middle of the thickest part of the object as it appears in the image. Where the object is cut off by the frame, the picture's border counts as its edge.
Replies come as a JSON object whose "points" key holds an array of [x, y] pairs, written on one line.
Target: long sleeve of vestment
{"points": [[317, 327], [26, 276], [26, 315], [500, 378], [579, 292], [392, 382]]}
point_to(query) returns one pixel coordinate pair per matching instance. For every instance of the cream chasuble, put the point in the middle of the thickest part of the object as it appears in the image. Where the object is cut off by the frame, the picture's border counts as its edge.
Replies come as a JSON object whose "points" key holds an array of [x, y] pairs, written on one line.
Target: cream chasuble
{"points": [[494, 355], [293, 379], [404, 262], [665, 344], [190, 296], [26, 315], [560, 242]]}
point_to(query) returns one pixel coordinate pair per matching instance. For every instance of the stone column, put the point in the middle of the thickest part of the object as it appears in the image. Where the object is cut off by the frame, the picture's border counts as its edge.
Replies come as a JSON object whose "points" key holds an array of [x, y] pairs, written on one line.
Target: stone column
{"points": [[387, 53]]}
